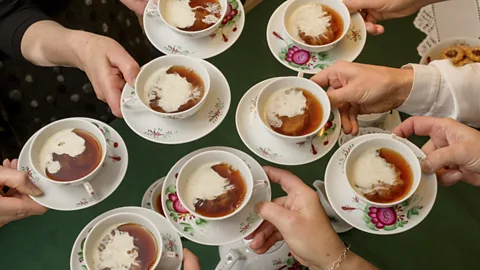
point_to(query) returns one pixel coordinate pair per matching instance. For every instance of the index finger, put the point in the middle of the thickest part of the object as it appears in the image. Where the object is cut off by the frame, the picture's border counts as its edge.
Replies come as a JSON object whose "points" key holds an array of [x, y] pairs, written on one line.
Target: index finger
{"points": [[322, 77], [418, 125], [19, 181], [289, 182]]}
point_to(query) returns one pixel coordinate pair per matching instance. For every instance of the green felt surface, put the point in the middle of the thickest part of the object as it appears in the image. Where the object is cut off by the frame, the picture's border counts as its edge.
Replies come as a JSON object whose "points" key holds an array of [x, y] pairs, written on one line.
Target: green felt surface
{"points": [[449, 238]]}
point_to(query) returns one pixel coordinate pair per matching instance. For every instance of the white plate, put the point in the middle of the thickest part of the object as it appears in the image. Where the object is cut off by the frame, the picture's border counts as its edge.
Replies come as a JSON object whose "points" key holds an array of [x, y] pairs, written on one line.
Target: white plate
{"points": [[70, 198], [214, 233], [273, 149], [397, 219], [148, 194], [176, 131], [169, 42], [348, 49], [171, 240]]}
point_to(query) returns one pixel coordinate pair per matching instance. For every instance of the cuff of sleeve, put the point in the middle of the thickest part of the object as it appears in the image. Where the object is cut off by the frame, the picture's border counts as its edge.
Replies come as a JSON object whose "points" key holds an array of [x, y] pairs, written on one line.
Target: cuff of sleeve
{"points": [[426, 85]]}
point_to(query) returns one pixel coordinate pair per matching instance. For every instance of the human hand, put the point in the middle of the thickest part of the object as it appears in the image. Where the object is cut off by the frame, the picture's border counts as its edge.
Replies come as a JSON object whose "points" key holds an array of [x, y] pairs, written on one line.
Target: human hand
{"points": [[108, 66], [453, 148], [300, 220], [377, 10], [362, 89], [137, 6], [16, 204], [190, 261]]}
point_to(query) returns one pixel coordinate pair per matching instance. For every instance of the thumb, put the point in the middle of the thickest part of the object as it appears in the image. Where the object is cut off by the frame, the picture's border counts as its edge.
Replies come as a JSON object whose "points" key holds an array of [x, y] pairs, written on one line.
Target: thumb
{"points": [[190, 261], [19, 181], [446, 156], [275, 214]]}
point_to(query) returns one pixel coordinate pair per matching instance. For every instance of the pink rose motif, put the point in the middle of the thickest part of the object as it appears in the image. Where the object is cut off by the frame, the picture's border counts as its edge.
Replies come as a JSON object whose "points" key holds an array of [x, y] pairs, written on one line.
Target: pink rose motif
{"points": [[382, 217], [297, 56], [177, 205]]}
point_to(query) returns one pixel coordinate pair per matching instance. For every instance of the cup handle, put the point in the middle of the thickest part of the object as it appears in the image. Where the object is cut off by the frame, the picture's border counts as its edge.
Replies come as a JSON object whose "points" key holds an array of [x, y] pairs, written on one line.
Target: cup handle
{"points": [[91, 192], [152, 11], [227, 262], [300, 74], [131, 103]]}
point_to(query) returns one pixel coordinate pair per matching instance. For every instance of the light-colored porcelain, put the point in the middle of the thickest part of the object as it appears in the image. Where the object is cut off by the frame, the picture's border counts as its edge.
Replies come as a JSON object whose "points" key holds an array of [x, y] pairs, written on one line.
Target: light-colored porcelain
{"points": [[344, 138], [336, 5], [274, 149], [391, 142], [105, 182], [339, 225], [371, 120], [368, 218], [107, 223], [292, 82], [170, 42], [348, 49], [161, 9], [238, 256], [165, 62], [150, 196], [178, 131], [172, 251], [41, 137], [207, 232], [210, 157], [435, 52]]}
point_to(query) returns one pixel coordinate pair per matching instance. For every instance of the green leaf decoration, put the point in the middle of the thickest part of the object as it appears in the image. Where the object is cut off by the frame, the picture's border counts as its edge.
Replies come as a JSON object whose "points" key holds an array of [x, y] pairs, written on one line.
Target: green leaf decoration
{"points": [[404, 203], [371, 226], [366, 218], [409, 214], [234, 4], [200, 221], [171, 189], [174, 215], [331, 117], [170, 206], [390, 228], [400, 224], [80, 254], [84, 267], [82, 244], [322, 56], [330, 130], [290, 261], [320, 66]]}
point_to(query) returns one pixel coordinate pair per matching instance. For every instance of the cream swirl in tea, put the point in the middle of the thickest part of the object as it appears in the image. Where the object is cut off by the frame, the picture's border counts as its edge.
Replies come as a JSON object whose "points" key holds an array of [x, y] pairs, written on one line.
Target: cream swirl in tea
{"points": [[192, 15]]}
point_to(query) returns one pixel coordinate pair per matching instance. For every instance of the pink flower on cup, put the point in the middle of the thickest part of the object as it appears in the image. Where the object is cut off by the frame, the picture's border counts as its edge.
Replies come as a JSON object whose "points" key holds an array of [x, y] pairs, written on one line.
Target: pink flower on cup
{"points": [[177, 205], [297, 56], [382, 217]]}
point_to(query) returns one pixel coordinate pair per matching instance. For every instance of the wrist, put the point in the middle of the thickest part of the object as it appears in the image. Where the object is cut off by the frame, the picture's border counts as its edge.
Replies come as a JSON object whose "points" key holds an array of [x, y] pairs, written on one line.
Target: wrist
{"points": [[79, 44], [403, 84], [326, 259]]}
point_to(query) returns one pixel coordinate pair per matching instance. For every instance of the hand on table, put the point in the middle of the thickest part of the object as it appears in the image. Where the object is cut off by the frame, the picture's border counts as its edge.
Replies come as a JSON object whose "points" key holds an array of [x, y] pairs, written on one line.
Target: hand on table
{"points": [[16, 204], [453, 148], [377, 10], [190, 261], [362, 89], [137, 6]]}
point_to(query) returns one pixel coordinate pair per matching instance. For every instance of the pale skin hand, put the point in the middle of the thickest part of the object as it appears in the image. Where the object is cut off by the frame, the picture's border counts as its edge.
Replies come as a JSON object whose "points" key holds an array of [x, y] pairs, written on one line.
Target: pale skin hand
{"points": [[106, 63], [190, 261], [378, 10], [137, 6], [362, 89], [301, 221], [16, 204], [453, 150]]}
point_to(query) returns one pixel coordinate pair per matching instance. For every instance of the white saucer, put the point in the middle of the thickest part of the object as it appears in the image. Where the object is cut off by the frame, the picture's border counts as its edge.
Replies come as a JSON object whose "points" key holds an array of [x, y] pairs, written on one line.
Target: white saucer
{"points": [[70, 198], [277, 257], [273, 149], [214, 233], [175, 131], [171, 240], [169, 42], [148, 194], [400, 218], [347, 49]]}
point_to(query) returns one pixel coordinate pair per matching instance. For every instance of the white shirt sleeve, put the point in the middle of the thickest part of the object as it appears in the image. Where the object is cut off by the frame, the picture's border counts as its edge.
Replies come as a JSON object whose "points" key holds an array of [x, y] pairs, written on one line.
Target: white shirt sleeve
{"points": [[443, 90]]}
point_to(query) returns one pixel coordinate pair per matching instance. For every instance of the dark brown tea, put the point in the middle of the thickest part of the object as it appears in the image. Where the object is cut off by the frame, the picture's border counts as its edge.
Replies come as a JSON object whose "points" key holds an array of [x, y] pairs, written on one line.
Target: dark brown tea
{"points": [[146, 244], [207, 13], [228, 202], [403, 185], [196, 96], [73, 168], [158, 204]]}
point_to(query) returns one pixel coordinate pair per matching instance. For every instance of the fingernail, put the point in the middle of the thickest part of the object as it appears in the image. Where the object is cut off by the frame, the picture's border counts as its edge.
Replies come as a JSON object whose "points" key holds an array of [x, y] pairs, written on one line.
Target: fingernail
{"points": [[454, 176], [257, 208], [36, 191], [426, 166]]}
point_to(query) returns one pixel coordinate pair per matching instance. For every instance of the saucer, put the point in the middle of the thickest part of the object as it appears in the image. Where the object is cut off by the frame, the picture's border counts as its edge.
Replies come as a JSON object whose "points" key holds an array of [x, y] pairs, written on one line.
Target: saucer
{"points": [[148, 194], [214, 233], [273, 149], [169, 42], [70, 198], [171, 241], [176, 131], [304, 61], [277, 257], [384, 221]]}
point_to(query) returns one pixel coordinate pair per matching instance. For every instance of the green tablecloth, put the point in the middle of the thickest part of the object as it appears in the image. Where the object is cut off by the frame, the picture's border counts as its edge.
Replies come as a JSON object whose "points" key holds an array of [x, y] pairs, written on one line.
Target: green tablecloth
{"points": [[449, 238]]}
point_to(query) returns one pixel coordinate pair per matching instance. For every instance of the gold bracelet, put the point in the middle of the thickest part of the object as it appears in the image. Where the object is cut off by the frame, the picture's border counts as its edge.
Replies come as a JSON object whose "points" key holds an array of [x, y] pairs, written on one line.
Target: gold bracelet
{"points": [[337, 263]]}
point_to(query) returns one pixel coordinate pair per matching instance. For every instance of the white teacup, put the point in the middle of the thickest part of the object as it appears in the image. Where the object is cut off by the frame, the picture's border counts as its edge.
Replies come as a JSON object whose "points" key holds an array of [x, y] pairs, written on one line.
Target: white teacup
{"points": [[157, 191], [163, 62], [336, 5], [293, 82], [192, 34], [396, 145], [109, 223], [46, 132], [222, 157], [372, 119]]}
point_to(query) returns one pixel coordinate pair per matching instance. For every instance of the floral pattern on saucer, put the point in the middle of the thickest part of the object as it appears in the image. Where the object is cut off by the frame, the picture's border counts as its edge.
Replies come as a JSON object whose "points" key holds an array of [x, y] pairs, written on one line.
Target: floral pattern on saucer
{"points": [[178, 131], [368, 218], [273, 149], [289, 263], [300, 60], [169, 42], [70, 198], [213, 232]]}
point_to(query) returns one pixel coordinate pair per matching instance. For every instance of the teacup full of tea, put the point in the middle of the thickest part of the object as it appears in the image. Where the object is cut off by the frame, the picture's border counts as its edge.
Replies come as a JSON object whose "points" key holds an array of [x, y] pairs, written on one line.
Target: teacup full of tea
{"points": [[293, 108], [216, 185], [193, 18], [383, 171], [172, 87], [69, 152], [123, 241], [316, 25]]}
